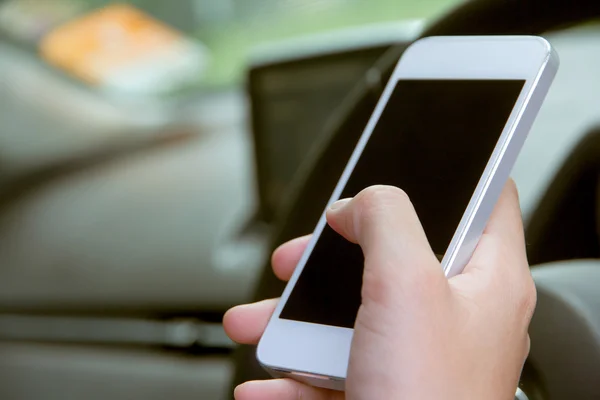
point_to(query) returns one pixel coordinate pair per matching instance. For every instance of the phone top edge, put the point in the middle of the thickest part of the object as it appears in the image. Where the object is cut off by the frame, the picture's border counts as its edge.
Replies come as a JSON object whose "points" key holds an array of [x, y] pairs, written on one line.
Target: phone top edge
{"points": [[474, 57], [487, 38]]}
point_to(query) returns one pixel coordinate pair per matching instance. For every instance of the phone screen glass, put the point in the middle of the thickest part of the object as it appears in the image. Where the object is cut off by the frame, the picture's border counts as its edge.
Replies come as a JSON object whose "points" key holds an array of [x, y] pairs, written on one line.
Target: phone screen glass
{"points": [[433, 140]]}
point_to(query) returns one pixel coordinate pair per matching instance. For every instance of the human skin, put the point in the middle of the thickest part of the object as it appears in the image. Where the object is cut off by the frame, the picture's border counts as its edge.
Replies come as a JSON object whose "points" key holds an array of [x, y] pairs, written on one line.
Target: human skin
{"points": [[418, 335]]}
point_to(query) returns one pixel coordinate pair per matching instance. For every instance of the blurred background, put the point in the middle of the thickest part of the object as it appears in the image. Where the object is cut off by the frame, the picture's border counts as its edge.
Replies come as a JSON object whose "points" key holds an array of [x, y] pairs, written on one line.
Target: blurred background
{"points": [[150, 149]]}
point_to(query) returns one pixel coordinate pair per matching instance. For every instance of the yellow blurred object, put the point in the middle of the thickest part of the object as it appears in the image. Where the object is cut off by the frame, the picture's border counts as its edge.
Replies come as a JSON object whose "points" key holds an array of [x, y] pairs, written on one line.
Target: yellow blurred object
{"points": [[117, 45]]}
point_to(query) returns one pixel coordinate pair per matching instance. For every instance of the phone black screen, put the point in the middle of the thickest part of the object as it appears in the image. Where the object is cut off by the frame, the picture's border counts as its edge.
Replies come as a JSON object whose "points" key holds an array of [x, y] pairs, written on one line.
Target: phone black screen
{"points": [[433, 140]]}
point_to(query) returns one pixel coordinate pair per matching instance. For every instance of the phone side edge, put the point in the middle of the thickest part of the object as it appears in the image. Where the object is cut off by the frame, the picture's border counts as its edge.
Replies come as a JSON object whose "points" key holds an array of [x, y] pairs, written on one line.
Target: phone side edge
{"points": [[464, 249]]}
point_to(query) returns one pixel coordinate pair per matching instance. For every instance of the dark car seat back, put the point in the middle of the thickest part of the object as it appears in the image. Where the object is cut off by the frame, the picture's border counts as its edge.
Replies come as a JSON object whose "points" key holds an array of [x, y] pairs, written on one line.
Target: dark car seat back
{"points": [[561, 227]]}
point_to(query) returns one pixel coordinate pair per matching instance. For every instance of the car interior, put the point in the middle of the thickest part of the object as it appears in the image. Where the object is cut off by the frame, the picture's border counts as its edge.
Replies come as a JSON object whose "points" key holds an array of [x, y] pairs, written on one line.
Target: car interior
{"points": [[129, 226]]}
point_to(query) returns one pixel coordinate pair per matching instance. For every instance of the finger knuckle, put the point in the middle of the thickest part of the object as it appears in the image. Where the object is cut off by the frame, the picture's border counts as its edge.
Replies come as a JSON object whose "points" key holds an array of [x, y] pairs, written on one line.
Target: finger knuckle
{"points": [[376, 197], [527, 300]]}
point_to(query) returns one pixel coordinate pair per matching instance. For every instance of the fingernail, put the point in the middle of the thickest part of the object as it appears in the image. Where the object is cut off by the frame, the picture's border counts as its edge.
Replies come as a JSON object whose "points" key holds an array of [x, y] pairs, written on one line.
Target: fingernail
{"points": [[339, 204], [252, 386], [236, 391]]}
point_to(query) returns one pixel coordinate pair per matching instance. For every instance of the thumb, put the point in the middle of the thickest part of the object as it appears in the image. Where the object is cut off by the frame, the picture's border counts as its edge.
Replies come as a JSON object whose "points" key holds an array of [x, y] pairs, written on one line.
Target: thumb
{"points": [[383, 221]]}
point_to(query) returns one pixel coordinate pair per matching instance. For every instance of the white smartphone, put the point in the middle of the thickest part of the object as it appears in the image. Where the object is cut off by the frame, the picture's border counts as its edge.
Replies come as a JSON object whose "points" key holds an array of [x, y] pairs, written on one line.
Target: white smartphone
{"points": [[447, 130]]}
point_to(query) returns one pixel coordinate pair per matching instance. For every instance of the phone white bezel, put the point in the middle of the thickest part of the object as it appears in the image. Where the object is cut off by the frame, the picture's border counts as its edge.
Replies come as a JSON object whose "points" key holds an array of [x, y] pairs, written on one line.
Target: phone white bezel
{"points": [[319, 354]]}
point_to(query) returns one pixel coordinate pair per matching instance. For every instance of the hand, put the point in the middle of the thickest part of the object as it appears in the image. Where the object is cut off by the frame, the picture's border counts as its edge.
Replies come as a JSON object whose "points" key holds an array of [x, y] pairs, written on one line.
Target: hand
{"points": [[417, 335]]}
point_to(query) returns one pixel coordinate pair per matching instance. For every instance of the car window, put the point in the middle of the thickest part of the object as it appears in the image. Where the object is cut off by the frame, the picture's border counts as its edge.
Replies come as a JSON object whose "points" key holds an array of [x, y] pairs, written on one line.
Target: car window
{"points": [[223, 31], [246, 24]]}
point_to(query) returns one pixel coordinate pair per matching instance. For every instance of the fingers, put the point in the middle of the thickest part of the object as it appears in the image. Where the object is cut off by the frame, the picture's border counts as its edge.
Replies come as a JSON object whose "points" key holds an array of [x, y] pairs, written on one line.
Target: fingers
{"points": [[503, 238], [383, 221], [500, 260], [246, 324], [286, 257], [283, 389]]}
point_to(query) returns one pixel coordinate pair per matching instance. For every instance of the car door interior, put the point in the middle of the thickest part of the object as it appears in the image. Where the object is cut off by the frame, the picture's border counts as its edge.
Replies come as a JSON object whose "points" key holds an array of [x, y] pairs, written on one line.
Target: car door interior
{"points": [[97, 331], [312, 189]]}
